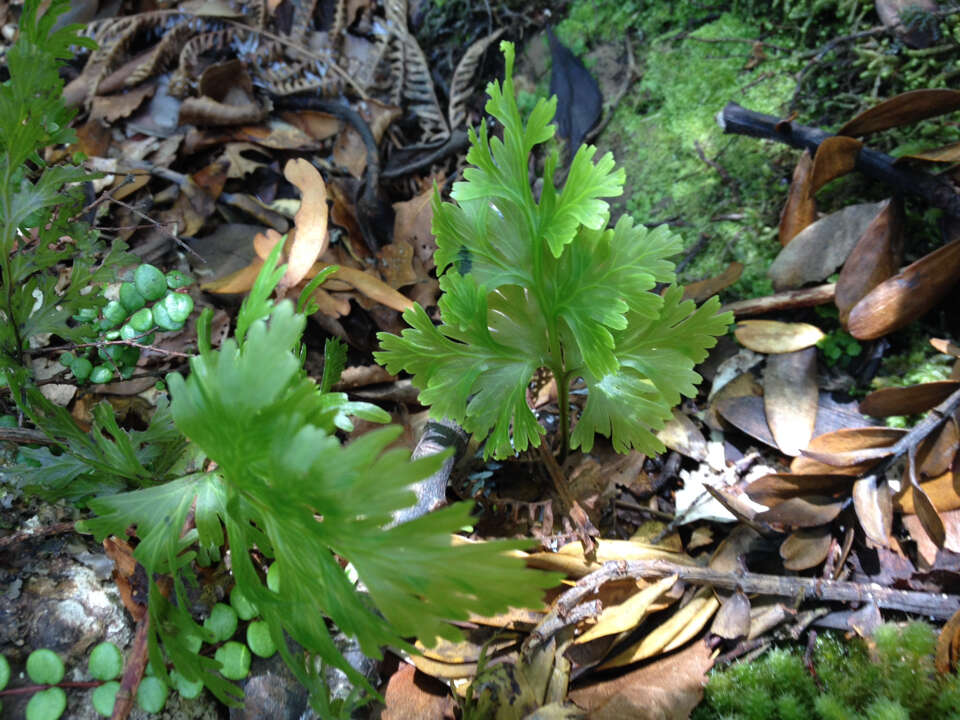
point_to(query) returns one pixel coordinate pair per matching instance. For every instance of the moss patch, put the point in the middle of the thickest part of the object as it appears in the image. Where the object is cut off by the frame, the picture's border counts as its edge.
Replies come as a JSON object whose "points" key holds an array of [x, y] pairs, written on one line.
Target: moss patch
{"points": [[893, 680]]}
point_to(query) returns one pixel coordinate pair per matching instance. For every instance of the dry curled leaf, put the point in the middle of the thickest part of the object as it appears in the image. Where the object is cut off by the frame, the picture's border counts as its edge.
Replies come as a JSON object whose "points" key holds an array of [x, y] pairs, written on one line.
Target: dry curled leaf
{"points": [[911, 293], [800, 210], [903, 109], [801, 512], [876, 257], [909, 400], [843, 441], [773, 489]]}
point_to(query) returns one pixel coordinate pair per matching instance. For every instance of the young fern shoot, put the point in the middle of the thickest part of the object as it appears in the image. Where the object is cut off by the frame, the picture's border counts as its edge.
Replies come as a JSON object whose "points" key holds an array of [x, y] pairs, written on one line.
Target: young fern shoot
{"points": [[530, 284]]}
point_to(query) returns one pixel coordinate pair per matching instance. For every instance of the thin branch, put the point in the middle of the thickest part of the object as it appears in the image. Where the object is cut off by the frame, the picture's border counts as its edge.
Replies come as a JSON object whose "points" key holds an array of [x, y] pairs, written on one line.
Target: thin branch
{"points": [[937, 191], [786, 300]]}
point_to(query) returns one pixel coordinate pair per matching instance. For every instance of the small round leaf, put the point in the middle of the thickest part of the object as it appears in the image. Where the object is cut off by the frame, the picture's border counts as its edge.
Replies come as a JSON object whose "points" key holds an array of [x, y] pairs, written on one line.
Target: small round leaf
{"points": [[246, 610], [188, 689], [128, 332], [113, 314], [177, 280], [234, 659], [273, 577], [81, 368], [141, 320], [104, 698], [222, 622], [102, 373], [178, 306], [45, 667], [4, 672], [259, 639], [106, 661], [152, 694], [163, 320], [150, 282], [47, 704], [131, 298]]}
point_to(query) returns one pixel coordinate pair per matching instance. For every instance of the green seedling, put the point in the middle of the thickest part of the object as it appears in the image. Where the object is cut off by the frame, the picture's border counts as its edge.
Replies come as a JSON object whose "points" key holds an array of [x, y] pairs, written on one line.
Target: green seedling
{"points": [[531, 284]]}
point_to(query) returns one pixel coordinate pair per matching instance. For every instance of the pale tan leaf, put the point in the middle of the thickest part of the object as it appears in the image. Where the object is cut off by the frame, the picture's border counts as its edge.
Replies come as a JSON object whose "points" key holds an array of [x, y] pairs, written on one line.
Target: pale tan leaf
{"points": [[773, 336], [237, 282], [928, 516], [628, 614], [681, 434], [790, 397], [691, 617], [873, 503], [843, 441], [821, 248], [310, 238]]}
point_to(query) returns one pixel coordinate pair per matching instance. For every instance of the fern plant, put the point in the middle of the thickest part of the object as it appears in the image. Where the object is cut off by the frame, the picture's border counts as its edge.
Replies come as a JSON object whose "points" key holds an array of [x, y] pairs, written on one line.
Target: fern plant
{"points": [[531, 284], [273, 480], [39, 200]]}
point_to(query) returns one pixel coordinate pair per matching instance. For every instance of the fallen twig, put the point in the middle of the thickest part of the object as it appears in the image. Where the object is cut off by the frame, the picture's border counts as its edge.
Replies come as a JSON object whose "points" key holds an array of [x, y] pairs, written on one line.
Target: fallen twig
{"points": [[786, 300], [937, 191]]}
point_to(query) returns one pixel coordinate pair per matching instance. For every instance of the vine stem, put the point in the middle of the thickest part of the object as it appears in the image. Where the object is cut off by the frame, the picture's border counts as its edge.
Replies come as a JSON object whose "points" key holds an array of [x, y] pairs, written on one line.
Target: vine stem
{"points": [[563, 398]]}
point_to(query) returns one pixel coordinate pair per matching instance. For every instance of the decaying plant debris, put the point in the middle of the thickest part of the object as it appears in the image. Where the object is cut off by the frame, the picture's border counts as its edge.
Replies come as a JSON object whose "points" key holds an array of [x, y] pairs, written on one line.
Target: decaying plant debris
{"points": [[230, 133]]}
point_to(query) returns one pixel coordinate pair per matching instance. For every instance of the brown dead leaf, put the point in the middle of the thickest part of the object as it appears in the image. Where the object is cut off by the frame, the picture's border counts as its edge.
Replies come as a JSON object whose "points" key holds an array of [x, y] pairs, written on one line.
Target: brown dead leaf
{"points": [[239, 281], [773, 489], [908, 295], [114, 107], [277, 135], [681, 627], [413, 225], [627, 615], [700, 290], [747, 415], [807, 548], [743, 385], [873, 503], [907, 400], [667, 689], [843, 441], [240, 165], [802, 512], [310, 235], [773, 336], [790, 398], [929, 518], [936, 455], [948, 645], [349, 151], [903, 109], [94, 138], [800, 209], [876, 257], [946, 154], [836, 156], [909, 28], [396, 264], [817, 251], [732, 620], [681, 434], [318, 125], [412, 695]]}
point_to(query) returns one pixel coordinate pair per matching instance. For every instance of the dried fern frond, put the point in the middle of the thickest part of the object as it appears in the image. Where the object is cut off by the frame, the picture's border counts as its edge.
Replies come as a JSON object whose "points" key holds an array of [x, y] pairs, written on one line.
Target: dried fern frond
{"points": [[461, 87]]}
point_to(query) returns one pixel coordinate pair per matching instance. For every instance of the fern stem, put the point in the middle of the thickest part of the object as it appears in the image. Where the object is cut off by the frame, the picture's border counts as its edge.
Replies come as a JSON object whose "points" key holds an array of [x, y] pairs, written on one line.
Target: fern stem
{"points": [[563, 397]]}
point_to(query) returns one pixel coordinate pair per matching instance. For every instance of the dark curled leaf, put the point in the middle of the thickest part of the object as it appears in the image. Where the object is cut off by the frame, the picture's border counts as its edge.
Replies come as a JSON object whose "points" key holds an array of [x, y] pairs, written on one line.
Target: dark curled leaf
{"points": [[578, 97]]}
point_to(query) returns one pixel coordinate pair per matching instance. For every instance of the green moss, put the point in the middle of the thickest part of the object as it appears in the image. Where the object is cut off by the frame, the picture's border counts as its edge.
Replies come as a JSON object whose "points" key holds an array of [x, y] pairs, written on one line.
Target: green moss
{"points": [[894, 681]]}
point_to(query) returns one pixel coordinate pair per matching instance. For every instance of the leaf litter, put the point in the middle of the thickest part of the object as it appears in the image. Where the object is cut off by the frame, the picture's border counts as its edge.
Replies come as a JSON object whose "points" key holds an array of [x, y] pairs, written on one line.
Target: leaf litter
{"points": [[817, 465]]}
